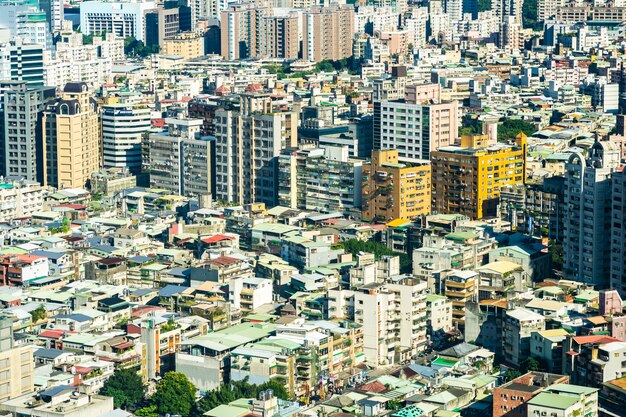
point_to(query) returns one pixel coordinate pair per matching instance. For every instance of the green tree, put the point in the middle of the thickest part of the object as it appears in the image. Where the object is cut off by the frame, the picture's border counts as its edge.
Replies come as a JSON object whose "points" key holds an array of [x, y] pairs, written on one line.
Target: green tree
{"points": [[354, 246], [279, 389], [175, 394], [470, 125], [126, 388], [484, 5], [325, 66], [556, 252], [133, 46], [238, 389], [511, 374], [529, 15], [529, 364], [510, 128], [38, 314], [150, 411]]}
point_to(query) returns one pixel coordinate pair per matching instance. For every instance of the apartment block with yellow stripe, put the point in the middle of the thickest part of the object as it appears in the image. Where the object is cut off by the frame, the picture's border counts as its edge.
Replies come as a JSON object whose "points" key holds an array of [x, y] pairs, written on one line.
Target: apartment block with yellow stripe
{"points": [[467, 179]]}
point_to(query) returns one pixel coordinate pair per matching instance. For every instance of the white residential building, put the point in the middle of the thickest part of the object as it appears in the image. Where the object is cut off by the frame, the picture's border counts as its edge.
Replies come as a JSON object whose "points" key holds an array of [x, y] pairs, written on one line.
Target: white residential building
{"points": [[124, 19], [180, 160], [249, 293], [414, 129], [393, 319], [247, 147], [587, 219], [519, 324], [19, 199], [123, 127]]}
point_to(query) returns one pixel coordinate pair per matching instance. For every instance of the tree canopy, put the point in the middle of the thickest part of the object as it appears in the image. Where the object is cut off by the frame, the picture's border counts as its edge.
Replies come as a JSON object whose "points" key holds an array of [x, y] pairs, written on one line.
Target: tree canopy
{"points": [[484, 5], [126, 388], [510, 128], [470, 125], [238, 389], [175, 394], [38, 314], [354, 246], [132, 46]]}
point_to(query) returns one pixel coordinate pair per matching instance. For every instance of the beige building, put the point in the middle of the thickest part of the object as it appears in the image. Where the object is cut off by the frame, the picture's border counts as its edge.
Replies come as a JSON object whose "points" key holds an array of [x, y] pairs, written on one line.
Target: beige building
{"points": [[16, 364], [327, 33], [395, 190], [188, 45], [72, 138], [253, 30]]}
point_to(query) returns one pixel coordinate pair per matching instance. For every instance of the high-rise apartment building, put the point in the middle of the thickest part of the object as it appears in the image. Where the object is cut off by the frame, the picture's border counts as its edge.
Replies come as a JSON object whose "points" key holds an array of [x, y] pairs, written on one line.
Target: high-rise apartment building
{"points": [[21, 135], [161, 24], [320, 180], [71, 138], [506, 8], [586, 246], [393, 319], [327, 32], [467, 179], [181, 160], [415, 129], [618, 232], [394, 189], [21, 61], [123, 127], [254, 29], [54, 13], [280, 36], [240, 27], [248, 144], [124, 19], [546, 9]]}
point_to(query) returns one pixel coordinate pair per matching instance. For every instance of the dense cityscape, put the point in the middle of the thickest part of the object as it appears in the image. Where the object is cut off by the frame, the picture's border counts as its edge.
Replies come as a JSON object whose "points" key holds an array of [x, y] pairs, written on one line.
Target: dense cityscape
{"points": [[312, 208]]}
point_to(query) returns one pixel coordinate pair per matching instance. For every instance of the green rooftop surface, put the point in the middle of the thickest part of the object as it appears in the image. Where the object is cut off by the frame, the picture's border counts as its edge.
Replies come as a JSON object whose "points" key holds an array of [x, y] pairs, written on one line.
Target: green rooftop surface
{"points": [[444, 362], [410, 411], [556, 401]]}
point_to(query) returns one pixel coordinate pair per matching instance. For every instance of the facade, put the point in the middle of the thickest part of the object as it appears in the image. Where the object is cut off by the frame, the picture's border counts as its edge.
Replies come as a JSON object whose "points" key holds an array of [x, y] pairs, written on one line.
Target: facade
{"points": [[255, 30], [618, 232], [439, 313], [393, 317], [415, 129], [467, 180], [588, 215], [20, 199], [320, 180], [564, 400], [160, 342], [394, 189], [593, 360], [511, 399], [72, 138], [123, 127], [327, 33], [240, 28], [161, 24], [21, 61], [180, 160], [519, 324], [547, 345], [21, 138], [249, 293], [16, 362], [461, 287], [248, 143], [189, 45], [124, 19]]}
